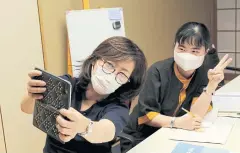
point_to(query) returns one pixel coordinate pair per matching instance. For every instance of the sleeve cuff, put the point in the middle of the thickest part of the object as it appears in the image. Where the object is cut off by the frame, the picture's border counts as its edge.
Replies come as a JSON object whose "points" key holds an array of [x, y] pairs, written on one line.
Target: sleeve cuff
{"points": [[146, 118], [209, 108]]}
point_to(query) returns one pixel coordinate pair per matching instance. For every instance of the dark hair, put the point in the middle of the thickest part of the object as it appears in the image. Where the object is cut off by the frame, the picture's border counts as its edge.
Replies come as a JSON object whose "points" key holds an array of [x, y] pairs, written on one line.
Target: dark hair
{"points": [[193, 33], [117, 49]]}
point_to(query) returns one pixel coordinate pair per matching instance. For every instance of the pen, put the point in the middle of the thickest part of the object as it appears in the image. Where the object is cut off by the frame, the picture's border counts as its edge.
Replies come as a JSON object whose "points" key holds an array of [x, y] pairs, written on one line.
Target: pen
{"points": [[190, 113]]}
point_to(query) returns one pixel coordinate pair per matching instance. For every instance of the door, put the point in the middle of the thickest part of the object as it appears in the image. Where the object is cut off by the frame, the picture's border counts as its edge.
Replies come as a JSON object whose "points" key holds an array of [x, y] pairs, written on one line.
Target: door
{"points": [[2, 140]]}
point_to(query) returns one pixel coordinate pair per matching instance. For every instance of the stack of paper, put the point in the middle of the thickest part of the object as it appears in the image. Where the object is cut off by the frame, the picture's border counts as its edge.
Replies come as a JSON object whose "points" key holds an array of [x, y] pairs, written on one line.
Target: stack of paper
{"points": [[227, 102], [216, 133], [227, 98], [226, 114]]}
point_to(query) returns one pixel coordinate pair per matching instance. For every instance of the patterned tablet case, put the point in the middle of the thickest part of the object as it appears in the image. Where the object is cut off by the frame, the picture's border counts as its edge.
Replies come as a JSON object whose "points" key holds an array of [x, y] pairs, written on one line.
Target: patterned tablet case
{"points": [[57, 96]]}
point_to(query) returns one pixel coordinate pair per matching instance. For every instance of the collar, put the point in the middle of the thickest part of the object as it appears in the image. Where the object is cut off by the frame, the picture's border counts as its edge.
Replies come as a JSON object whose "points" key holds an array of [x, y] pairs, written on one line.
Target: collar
{"points": [[181, 78]]}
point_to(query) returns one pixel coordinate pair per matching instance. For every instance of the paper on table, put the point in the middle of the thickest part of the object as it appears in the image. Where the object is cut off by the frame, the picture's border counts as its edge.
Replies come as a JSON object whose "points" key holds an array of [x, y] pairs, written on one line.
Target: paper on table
{"points": [[210, 118], [190, 148], [216, 133]]}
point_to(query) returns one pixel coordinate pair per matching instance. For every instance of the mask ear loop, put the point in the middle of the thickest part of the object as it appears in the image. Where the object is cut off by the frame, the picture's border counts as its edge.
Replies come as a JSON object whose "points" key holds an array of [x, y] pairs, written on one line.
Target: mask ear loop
{"points": [[93, 64], [92, 68], [174, 44]]}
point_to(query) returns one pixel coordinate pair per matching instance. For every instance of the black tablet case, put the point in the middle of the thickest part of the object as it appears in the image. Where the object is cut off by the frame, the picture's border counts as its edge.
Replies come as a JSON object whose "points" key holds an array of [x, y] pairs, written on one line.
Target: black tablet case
{"points": [[57, 96]]}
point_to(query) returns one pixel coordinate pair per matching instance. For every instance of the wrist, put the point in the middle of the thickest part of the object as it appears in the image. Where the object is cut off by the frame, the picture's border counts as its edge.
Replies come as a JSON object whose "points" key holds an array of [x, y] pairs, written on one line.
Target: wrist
{"points": [[86, 127], [177, 122], [172, 122], [211, 88], [83, 125]]}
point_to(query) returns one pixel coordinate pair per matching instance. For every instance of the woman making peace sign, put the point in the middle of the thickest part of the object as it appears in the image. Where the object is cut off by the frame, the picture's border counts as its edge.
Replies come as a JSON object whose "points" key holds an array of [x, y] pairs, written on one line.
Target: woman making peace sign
{"points": [[178, 83]]}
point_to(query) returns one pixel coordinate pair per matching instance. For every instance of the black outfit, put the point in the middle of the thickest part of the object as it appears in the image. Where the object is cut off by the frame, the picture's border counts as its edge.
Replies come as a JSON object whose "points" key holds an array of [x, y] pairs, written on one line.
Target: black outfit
{"points": [[115, 111], [161, 94]]}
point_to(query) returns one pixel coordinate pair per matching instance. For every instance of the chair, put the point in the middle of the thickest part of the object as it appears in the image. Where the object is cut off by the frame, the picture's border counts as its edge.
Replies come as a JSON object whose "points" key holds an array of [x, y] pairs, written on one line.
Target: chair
{"points": [[230, 76], [116, 143]]}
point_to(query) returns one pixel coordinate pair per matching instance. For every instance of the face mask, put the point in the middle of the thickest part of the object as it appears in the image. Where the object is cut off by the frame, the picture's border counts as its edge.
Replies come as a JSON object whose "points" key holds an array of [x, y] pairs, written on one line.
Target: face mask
{"points": [[188, 61], [103, 83]]}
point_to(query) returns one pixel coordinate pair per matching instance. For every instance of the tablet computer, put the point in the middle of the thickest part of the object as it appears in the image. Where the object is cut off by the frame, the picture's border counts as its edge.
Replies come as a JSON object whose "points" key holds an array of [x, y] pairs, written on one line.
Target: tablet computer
{"points": [[57, 96]]}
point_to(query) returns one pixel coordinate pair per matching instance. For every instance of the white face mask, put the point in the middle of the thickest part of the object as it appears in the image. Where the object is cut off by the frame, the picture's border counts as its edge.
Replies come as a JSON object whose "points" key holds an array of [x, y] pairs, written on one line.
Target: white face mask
{"points": [[188, 61], [103, 83]]}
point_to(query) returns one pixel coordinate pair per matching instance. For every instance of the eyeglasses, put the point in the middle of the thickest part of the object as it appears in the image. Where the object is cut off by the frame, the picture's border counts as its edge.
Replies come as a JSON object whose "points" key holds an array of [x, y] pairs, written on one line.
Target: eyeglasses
{"points": [[109, 68]]}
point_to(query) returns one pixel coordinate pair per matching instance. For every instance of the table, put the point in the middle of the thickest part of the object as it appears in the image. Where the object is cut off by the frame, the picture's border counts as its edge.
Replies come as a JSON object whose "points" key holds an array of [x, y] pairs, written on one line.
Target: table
{"points": [[159, 142]]}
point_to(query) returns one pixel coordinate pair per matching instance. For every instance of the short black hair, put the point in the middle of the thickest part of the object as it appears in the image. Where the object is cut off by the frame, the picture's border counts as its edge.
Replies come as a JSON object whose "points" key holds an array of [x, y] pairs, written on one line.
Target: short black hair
{"points": [[193, 33], [117, 49]]}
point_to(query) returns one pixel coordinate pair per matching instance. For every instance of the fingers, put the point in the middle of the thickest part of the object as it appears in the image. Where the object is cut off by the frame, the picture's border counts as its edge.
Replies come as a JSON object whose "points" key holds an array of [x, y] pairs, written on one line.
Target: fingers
{"points": [[35, 96], [218, 77], [64, 131], [36, 90], [36, 83], [213, 72], [226, 63], [223, 60], [73, 110], [199, 129], [34, 73], [215, 75], [70, 114], [35, 87], [196, 124], [197, 119], [65, 138], [64, 123]]}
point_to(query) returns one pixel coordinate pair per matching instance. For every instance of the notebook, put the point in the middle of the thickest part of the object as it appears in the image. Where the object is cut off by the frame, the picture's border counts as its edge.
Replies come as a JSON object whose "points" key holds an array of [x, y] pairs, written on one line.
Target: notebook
{"points": [[216, 133], [189, 148]]}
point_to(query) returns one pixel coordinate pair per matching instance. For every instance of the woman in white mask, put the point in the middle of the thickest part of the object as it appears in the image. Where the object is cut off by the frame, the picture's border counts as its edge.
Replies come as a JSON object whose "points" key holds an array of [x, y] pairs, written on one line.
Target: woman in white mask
{"points": [[110, 76], [175, 84]]}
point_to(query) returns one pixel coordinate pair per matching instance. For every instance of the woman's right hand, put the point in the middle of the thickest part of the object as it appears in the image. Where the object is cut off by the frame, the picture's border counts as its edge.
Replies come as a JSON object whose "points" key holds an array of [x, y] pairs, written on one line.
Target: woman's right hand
{"points": [[188, 122], [35, 88]]}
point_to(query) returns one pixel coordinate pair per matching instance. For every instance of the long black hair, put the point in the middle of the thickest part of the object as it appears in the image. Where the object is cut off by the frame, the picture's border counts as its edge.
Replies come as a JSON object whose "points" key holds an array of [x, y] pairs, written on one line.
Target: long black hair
{"points": [[193, 33], [117, 49]]}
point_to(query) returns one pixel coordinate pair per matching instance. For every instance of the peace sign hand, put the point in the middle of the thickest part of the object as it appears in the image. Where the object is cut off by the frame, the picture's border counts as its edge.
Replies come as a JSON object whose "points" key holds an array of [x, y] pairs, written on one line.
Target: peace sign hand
{"points": [[216, 75]]}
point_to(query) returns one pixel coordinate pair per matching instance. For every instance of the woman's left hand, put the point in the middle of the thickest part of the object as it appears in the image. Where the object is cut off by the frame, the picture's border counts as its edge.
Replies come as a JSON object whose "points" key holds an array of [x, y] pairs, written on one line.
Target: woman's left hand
{"points": [[68, 129], [216, 75]]}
